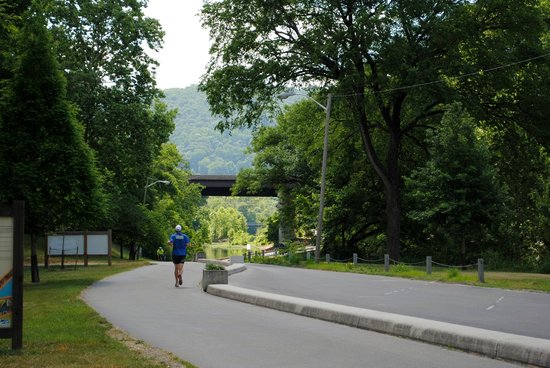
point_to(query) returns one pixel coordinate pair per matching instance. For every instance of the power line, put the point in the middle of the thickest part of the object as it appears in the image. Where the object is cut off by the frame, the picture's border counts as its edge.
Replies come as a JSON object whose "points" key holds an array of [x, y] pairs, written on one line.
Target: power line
{"points": [[455, 77]]}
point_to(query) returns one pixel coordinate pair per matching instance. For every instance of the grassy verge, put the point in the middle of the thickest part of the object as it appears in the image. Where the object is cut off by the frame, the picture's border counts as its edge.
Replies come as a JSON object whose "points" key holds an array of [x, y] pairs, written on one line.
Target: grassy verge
{"points": [[60, 330], [504, 280]]}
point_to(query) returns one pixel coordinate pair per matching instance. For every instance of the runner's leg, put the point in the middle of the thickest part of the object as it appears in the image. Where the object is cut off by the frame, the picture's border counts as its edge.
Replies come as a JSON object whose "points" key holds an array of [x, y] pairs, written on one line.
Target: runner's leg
{"points": [[180, 273]]}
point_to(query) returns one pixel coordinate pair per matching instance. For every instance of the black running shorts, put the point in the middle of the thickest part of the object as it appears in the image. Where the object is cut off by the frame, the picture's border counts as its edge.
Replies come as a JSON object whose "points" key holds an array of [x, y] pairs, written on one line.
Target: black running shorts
{"points": [[178, 259]]}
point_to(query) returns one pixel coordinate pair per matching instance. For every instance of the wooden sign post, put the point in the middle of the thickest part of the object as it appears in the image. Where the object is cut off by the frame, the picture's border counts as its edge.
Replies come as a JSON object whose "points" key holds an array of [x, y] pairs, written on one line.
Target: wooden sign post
{"points": [[12, 226]]}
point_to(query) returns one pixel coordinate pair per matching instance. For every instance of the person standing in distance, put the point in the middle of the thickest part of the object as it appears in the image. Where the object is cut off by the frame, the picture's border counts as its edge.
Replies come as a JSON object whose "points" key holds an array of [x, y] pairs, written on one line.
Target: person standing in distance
{"points": [[179, 242]]}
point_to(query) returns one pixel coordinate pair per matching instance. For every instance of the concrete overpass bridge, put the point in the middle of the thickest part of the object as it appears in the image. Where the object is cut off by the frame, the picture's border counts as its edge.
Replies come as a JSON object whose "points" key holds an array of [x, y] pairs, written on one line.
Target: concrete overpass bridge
{"points": [[220, 186]]}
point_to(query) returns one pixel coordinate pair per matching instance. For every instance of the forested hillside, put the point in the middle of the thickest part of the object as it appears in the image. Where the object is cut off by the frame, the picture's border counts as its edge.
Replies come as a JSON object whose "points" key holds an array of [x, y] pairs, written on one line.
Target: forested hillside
{"points": [[207, 150]]}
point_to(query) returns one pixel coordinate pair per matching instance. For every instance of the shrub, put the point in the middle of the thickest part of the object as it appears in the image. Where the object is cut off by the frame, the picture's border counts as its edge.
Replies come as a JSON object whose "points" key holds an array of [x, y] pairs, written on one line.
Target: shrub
{"points": [[452, 273], [214, 267], [545, 266]]}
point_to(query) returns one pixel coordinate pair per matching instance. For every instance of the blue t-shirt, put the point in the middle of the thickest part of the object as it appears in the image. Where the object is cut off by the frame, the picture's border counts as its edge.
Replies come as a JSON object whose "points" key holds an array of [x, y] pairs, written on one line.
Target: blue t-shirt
{"points": [[179, 241]]}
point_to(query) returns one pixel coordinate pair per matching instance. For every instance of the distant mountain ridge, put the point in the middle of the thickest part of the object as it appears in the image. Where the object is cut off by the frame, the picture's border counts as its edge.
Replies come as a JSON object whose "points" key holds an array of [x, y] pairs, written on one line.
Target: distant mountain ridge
{"points": [[207, 150]]}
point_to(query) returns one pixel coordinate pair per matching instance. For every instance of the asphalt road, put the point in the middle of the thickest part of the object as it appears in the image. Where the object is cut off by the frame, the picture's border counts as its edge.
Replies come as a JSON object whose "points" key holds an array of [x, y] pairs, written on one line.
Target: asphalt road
{"points": [[517, 312], [209, 331]]}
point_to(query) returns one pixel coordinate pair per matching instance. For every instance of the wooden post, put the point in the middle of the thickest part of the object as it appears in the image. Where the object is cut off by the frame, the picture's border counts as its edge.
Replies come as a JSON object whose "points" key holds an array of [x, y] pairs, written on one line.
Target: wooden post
{"points": [[46, 254], [85, 248], [429, 265], [480, 270], [110, 236]]}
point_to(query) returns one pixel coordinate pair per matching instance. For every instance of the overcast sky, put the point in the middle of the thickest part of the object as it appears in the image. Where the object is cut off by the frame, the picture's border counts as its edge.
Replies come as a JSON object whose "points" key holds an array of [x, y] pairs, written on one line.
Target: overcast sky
{"points": [[185, 54]]}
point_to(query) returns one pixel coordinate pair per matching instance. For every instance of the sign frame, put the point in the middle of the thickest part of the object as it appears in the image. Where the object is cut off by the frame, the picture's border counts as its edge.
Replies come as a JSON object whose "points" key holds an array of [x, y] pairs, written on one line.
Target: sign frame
{"points": [[87, 245], [15, 331]]}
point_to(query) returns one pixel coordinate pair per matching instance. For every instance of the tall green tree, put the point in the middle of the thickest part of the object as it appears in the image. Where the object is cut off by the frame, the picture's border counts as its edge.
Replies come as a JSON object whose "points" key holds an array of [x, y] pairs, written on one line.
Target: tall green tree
{"points": [[288, 157], [10, 22], [388, 62], [524, 167], [43, 157], [457, 199], [226, 222], [102, 49], [180, 202]]}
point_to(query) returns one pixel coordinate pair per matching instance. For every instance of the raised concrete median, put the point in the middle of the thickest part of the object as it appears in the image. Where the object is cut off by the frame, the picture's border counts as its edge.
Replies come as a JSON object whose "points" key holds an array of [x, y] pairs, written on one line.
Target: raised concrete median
{"points": [[494, 344], [231, 268]]}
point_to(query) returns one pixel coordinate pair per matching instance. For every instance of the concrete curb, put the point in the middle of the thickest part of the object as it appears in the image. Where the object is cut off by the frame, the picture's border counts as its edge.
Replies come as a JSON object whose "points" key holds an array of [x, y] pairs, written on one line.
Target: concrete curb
{"points": [[494, 344], [235, 268]]}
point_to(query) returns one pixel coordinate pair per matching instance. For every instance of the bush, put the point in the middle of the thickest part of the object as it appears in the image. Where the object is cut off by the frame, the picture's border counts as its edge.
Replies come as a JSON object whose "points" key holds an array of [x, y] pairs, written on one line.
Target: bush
{"points": [[545, 266], [452, 273], [214, 267]]}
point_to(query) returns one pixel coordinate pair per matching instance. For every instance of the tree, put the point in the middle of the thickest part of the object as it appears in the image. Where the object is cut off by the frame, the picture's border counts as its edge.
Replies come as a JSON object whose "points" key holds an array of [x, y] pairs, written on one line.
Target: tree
{"points": [[44, 159], [389, 61], [458, 200], [102, 49], [226, 223], [177, 203], [10, 22], [524, 167], [511, 41], [288, 157]]}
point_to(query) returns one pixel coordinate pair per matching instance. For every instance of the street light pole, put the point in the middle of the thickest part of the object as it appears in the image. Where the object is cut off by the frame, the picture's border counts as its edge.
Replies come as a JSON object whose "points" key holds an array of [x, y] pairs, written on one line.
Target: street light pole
{"points": [[328, 108], [323, 181], [165, 182]]}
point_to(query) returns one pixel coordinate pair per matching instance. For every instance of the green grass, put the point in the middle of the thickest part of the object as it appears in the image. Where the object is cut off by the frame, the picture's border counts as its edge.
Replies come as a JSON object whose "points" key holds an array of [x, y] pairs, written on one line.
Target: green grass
{"points": [[60, 330], [504, 280]]}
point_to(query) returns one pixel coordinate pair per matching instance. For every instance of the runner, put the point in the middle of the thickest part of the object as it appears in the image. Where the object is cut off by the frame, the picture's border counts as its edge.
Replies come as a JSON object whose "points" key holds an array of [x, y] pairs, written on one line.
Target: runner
{"points": [[179, 242]]}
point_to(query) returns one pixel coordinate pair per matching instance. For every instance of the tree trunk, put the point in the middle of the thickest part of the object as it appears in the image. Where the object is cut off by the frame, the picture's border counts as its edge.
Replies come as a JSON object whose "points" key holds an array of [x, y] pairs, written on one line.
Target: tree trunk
{"points": [[393, 200], [132, 255], [463, 250], [35, 277], [389, 174]]}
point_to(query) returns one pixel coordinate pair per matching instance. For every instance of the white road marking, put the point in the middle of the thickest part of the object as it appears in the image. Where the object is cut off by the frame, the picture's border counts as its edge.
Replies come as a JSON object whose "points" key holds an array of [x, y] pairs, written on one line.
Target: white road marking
{"points": [[396, 291], [492, 306]]}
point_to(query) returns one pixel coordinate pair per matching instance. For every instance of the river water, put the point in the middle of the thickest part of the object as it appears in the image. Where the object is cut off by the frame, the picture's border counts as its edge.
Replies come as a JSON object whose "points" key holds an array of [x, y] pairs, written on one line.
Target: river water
{"points": [[216, 252]]}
